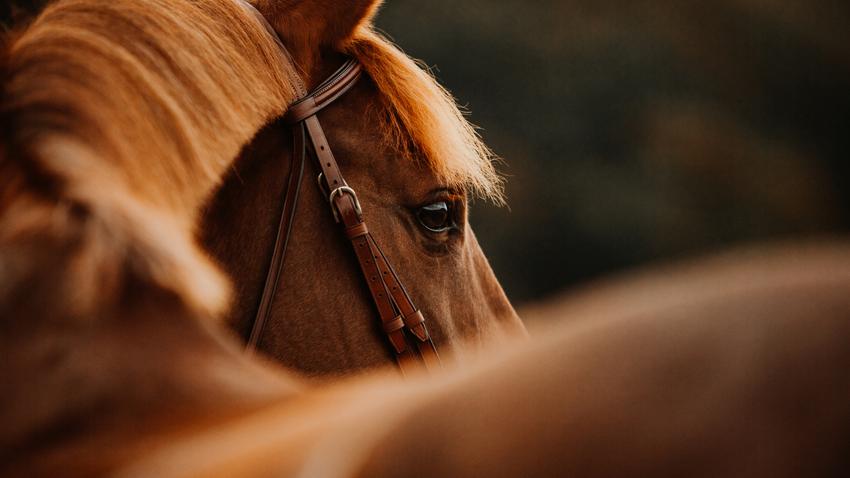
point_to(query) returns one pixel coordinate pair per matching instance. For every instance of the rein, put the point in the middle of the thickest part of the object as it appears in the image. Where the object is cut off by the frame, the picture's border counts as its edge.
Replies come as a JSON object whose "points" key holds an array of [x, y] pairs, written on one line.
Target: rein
{"points": [[401, 321]]}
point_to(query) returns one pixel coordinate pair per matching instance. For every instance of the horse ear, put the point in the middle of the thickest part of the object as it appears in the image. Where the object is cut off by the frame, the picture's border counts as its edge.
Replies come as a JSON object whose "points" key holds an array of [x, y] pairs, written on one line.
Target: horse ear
{"points": [[313, 24]]}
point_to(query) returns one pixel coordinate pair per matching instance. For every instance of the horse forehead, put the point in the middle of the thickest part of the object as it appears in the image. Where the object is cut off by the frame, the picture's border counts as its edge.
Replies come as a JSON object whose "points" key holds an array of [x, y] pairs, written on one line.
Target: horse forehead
{"points": [[354, 119], [357, 132]]}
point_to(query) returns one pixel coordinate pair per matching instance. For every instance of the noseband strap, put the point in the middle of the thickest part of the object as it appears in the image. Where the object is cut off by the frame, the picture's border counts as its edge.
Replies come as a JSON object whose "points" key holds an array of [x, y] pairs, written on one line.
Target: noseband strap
{"points": [[401, 321]]}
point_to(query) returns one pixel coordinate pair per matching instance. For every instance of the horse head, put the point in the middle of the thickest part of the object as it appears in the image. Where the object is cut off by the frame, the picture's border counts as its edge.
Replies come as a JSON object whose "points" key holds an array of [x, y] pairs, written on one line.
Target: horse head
{"points": [[414, 162]]}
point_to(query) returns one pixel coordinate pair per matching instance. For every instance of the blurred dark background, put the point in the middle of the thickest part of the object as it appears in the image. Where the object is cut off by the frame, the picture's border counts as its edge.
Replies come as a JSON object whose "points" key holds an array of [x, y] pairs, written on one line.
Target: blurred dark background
{"points": [[635, 131]]}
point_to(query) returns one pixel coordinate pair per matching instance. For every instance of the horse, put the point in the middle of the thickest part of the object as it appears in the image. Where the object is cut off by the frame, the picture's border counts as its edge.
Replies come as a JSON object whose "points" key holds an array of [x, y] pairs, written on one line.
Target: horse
{"points": [[119, 122], [404, 145], [401, 140]]}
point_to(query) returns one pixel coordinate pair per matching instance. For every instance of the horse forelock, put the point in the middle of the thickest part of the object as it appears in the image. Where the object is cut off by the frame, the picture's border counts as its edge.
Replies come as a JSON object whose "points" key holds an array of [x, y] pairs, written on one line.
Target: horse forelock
{"points": [[423, 119]]}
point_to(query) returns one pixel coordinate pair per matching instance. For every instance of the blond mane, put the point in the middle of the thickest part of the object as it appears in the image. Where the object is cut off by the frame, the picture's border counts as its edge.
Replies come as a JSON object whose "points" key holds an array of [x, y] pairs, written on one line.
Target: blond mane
{"points": [[123, 117], [157, 89], [423, 119]]}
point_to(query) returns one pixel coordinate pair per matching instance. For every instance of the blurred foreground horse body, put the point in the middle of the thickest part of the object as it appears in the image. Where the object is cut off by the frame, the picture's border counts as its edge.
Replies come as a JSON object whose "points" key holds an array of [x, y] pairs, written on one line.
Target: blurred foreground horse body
{"points": [[121, 120]]}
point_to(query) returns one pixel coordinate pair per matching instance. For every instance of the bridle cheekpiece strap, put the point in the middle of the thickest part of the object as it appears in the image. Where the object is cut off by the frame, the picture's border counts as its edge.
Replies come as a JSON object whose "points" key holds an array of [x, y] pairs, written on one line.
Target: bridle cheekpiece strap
{"points": [[402, 322]]}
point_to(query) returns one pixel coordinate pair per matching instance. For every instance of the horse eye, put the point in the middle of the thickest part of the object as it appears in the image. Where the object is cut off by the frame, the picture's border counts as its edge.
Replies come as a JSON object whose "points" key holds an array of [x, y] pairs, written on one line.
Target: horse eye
{"points": [[436, 217]]}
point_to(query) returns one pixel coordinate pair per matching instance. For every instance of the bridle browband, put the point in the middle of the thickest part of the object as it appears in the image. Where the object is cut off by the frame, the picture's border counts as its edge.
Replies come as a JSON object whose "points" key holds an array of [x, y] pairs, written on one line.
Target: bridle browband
{"points": [[402, 322]]}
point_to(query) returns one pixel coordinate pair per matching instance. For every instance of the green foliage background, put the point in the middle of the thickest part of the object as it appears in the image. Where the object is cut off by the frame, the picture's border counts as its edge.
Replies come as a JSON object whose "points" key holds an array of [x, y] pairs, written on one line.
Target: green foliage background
{"points": [[636, 130]]}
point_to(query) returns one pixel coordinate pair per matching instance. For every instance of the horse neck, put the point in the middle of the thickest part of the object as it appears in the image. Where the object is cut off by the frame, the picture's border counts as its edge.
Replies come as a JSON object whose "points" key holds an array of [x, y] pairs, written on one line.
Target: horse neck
{"points": [[119, 118]]}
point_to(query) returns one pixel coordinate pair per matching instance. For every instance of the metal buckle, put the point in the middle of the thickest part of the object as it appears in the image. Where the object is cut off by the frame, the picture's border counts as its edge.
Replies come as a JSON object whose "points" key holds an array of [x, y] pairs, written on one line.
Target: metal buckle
{"points": [[347, 190], [337, 192]]}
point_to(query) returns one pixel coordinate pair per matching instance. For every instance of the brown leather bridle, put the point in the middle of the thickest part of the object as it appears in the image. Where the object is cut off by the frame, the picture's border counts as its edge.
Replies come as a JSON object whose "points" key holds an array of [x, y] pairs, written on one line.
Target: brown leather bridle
{"points": [[402, 322]]}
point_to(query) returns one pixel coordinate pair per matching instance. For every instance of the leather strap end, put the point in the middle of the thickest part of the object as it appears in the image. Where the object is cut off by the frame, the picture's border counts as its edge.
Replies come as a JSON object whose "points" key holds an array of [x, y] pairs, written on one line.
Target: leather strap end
{"points": [[430, 356], [416, 323], [421, 332], [398, 342], [414, 319]]}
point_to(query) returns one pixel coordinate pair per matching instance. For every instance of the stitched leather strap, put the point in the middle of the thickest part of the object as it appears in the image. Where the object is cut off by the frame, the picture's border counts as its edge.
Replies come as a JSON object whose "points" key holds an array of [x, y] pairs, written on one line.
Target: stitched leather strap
{"points": [[325, 94], [389, 296], [284, 230]]}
